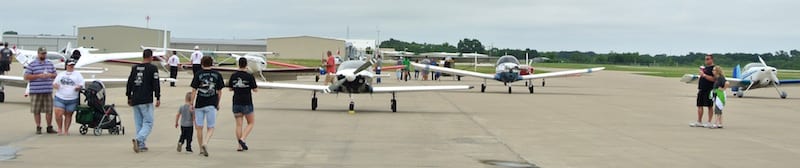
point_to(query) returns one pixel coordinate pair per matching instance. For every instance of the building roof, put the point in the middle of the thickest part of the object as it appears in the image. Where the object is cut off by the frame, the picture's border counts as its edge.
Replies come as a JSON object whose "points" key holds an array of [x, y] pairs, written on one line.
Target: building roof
{"points": [[123, 26], [255, 42], [305, 36], [39, 36]]}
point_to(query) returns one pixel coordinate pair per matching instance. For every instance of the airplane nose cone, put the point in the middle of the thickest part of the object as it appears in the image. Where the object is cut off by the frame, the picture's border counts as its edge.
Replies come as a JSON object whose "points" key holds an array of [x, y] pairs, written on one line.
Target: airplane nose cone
{"points": [[350, 78]]}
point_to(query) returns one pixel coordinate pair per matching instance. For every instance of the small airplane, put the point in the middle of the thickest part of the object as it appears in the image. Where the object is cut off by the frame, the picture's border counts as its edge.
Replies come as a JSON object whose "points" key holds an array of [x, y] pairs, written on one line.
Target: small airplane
{"points": [[756, 75], [256, 62], [355, 77], [509, 70]]}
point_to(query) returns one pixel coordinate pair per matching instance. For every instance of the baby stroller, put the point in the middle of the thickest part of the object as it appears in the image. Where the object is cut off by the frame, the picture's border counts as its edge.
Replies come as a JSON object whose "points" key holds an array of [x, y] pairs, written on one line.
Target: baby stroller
{"points": [[96, 114]]}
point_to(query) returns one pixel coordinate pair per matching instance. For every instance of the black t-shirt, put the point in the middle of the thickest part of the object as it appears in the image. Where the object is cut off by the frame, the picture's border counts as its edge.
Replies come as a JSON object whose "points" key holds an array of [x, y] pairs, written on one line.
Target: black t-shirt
{"points": [[207, 82], [5, 54], [242, 84], [705, 84], [143, 84], [720, 82]]}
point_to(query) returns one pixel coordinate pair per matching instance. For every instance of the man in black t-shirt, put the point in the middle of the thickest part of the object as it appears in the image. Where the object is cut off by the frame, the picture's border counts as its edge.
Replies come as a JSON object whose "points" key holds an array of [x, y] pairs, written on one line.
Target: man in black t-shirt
{"points": [[242, 84], [207, 87], [142, 86], [5, 59], [704, 87]]}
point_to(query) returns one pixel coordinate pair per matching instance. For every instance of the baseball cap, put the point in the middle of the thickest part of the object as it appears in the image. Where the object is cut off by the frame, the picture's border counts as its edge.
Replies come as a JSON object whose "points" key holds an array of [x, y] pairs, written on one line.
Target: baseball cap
{"points": [[42, 50]]}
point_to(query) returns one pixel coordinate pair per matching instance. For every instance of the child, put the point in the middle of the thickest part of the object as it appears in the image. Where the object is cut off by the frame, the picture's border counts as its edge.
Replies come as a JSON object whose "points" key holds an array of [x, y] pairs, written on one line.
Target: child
{"points": [[186, 118], [718, 96]]}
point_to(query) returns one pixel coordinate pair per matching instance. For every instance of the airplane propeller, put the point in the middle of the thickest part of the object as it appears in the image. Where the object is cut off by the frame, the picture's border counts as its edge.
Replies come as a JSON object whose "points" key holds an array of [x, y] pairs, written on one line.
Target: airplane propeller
{"points": [[349, 77]]}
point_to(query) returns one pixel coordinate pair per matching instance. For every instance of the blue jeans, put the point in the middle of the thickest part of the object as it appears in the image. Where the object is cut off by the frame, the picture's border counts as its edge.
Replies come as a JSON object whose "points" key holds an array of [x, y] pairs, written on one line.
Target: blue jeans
{"points": [[143, 118]]}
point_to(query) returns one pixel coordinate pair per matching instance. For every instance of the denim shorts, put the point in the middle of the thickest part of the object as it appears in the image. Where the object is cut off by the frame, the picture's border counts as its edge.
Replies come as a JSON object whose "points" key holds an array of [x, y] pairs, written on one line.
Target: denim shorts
{"points": [[244, 109], [207, 114], [69, 106]]}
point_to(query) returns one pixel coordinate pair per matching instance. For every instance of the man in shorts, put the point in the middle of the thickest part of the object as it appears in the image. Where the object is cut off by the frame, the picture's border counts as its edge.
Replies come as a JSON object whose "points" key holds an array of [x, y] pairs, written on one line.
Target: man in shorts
{"points": [[704, 87], [40, 74]]}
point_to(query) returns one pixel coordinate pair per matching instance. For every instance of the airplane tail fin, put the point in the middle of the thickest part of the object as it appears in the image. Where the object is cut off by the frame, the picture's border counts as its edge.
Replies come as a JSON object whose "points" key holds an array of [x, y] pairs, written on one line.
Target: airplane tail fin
{"points": [[736, 74]]}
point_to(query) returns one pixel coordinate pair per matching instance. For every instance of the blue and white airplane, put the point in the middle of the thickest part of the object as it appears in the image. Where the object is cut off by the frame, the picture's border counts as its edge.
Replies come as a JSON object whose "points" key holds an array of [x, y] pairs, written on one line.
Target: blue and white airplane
{"points": [[508, 70], [756, 75]]}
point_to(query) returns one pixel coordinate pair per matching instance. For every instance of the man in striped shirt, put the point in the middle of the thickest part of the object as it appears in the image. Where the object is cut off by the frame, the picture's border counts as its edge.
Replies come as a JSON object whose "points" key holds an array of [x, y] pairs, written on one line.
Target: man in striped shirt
{"points": [[40, 74]]}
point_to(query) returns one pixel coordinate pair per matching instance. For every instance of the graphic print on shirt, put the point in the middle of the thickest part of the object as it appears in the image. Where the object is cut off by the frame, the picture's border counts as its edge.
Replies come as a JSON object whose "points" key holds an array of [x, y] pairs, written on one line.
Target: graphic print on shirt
{"points": [[207, 84], [240, 83], [66, 81]]}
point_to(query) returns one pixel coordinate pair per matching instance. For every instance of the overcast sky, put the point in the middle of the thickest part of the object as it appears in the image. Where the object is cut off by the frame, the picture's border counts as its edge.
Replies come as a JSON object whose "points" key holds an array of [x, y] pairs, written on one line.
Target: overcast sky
{"points": [[644, 26]]}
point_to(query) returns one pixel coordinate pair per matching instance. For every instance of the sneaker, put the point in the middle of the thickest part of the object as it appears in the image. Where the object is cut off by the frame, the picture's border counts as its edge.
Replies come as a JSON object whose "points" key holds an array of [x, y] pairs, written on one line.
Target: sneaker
{"points": [[144, 149], [50, 130], [135, 146], [695, 124], [180, 145], [720, 126], [706, 125], [38, 130], [243, 145]]}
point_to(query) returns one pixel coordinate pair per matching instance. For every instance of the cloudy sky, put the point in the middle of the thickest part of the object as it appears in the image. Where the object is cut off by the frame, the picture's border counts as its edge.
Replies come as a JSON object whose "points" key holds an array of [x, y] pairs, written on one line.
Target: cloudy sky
{"points": [[644, 26]]}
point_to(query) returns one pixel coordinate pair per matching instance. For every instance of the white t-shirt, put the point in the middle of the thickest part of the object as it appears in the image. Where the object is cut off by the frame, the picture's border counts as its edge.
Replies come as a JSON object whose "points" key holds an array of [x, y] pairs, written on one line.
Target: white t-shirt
{"points": [[173, 60], [196, 56], [68, 82]]}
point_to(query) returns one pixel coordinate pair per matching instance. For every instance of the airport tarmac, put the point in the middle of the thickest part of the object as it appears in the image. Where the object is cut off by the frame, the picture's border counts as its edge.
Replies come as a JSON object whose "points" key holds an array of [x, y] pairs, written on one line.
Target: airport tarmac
{"points": [[605, 119]]}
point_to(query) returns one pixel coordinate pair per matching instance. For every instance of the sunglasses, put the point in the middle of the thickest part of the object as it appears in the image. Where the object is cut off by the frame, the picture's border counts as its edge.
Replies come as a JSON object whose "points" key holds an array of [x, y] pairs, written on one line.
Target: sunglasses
{"points": [[42, 53]]}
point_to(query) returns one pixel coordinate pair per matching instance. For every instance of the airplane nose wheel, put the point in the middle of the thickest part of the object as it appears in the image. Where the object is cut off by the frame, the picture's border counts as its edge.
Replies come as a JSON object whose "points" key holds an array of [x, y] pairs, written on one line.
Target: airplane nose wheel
{"points": [[509, 90], [483, 88], [352, 107], [783, 94], [530, 88]]}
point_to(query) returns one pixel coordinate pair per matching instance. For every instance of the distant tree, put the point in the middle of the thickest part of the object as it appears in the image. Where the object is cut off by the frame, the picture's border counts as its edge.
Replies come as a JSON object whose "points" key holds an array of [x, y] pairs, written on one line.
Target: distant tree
{"points": [[10, 33]]}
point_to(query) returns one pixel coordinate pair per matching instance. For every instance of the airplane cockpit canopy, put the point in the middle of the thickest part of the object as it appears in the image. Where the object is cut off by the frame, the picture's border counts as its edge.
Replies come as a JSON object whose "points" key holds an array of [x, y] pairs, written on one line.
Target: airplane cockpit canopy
{"points": [[354, 64], [507, 59]]}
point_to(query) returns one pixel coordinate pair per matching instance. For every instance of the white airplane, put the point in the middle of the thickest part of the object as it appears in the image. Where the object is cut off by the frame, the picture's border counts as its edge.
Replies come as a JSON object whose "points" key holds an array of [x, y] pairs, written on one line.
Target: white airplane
{"points": [[508, 71], [355, 77], [756, 75], [256, 62]]}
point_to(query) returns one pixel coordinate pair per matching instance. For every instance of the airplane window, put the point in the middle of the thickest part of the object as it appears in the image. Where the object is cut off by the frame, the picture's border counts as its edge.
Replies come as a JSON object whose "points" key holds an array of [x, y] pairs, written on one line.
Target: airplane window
{"points": [[507, 59]]}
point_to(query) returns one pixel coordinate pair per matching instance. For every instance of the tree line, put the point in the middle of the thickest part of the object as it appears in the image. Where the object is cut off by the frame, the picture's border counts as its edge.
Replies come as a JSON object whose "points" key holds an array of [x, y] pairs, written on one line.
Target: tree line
{"points": [[779, 59]]}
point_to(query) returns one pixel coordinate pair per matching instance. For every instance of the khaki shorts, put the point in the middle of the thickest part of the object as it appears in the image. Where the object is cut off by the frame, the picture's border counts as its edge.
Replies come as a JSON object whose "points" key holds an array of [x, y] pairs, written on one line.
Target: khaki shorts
{"points": [[330, 78], [41, 103]]}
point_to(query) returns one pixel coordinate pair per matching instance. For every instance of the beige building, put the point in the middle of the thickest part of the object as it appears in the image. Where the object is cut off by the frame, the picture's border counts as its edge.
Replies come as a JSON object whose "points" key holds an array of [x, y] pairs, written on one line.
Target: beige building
{"points": [[118, 38], [304, 47]]}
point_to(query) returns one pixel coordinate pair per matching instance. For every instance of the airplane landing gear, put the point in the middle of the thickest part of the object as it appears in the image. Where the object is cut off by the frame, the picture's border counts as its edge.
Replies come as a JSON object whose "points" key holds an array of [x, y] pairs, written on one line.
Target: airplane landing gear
{"points": [[483, 87], [509, 90], [314, 102], [543, 82], [394, 103], [783, 94], [352, 105], [530, 88]]}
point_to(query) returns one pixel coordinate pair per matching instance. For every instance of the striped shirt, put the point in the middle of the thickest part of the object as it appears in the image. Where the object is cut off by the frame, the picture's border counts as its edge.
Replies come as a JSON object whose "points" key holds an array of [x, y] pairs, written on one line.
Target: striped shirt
{"points": [[41, 85]]}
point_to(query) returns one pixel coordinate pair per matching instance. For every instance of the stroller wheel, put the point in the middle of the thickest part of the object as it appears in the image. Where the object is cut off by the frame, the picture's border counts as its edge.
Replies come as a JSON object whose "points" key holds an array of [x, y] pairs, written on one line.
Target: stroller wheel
{"points": [[97, 131], [83, 130]]}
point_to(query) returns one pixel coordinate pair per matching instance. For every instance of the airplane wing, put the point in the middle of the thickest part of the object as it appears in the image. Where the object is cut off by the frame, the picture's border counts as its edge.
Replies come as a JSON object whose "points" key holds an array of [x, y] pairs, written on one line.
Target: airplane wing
{"points": [[562, 73], [389, 89], [273, 85], [18, 81], [14, 81], [95, 58], [215, 52], [735, 82], [454, 71]]}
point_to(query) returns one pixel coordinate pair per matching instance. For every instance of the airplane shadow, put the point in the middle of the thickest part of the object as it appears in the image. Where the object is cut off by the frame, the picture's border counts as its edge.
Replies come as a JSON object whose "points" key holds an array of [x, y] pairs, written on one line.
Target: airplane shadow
{"points": [[753, 97], [538, 93]]}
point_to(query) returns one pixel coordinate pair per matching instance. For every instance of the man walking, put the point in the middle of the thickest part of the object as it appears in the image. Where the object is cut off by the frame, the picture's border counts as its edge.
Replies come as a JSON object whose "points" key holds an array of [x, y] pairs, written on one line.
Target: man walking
{"points": [[40, 74], [196, 56], [142, 86], [5, 59], [173, 62]]}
